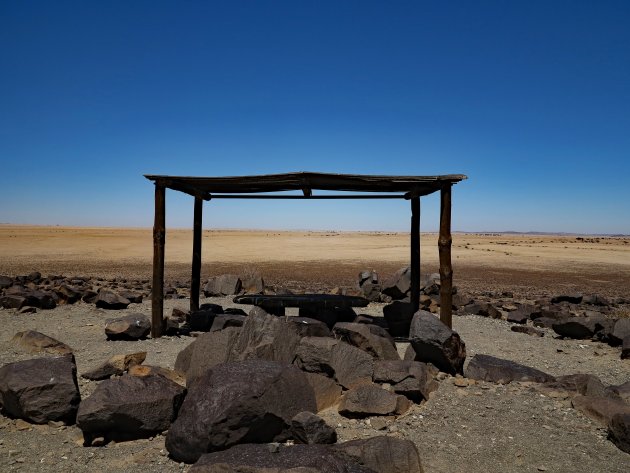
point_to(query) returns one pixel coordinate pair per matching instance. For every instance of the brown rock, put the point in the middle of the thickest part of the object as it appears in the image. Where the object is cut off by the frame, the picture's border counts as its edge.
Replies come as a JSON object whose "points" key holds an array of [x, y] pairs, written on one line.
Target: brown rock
{"points": [[116, 365], [370, 399], [368, 337], [384, 454], [147, 370], [35, 342], [600, 409], [435, 343], [351, 365], [130, 327], [497, 370], [327, 391]]}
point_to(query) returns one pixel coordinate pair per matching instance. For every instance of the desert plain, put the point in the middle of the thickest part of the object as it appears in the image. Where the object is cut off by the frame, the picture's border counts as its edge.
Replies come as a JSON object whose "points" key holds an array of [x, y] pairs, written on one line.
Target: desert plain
{"points": [[463, 427]]}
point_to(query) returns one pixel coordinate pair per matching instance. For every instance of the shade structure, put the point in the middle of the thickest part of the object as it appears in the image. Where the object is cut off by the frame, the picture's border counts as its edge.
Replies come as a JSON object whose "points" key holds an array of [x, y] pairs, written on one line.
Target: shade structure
{"points": [[276, 186]]}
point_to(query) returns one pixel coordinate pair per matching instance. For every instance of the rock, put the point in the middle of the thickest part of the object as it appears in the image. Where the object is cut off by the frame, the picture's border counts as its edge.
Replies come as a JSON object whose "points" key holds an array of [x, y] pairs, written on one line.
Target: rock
{"points": [[370, 338], [370, 399], [308, 327], [398, 316], [224, 285], [327, 391], [620, 331], [545, 322], [619, 431], [577, 384], [253, 285], [625, 348], [435, 343], [35, 342], [398, 285], [202, 320], [484, 309], [130, 327], [221, 322], [130, 407], [27, 310], [116, 365], [147, 370], [497, 370], [12, 301], [351, 365], [621, 391], [595, 299], [309, 428], [248, 401], [384, 454], [600, 409], [412, 379], [207, 351], [68, 294], [521, 315], [371, 291], [131, 296], [41, 390], [573, 298], [108, 299], [252, 458], [527, 330], [579, 328], [314, 354], [89, 297], [5, 282]]}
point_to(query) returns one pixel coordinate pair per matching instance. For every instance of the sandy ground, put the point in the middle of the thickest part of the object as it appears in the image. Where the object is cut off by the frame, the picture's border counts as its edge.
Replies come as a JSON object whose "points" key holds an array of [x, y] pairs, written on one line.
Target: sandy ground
{"points": [[521, 263]]}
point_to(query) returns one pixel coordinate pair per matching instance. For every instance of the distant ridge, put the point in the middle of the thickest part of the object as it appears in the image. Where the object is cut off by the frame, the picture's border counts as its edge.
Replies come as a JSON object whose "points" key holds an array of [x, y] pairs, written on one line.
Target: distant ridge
{"points": [[511, 232]]}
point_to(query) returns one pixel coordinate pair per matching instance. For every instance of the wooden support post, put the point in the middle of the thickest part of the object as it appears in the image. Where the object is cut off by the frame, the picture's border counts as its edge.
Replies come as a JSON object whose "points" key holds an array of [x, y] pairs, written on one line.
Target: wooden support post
{"points": [[195, 278], [415, 254], [446, 269], [159, 239]]}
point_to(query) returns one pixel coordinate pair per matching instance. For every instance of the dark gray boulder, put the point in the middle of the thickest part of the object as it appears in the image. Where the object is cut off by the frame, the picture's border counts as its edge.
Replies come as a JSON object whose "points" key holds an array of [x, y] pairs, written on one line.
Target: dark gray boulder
{"points": [[398, 315], [497, 370], [130, 407], [250, 401], [383, 454], [573, 298], [435, 343], [619, 431], [129, 327], [368, 337], [223, 321], [224, 285], [351, 365], [309, 428], [398, 285], [41, 390], [314, 354], [521, 315], [413, 379], [301, 458], [108, 299], [579, 328], [620, 331]]}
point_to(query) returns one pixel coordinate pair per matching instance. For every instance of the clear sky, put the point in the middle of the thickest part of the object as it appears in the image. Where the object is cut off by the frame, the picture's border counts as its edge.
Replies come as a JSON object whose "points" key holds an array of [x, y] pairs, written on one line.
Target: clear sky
{"points": [[530, 99]]}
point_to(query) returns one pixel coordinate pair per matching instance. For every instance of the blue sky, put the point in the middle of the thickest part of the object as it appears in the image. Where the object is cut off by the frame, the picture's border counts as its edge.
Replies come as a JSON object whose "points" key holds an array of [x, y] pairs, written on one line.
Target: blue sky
{"points": [[530, 99]]}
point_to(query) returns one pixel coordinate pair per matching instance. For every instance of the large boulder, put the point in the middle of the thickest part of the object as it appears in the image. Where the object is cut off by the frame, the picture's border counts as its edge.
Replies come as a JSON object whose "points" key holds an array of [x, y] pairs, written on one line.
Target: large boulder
{"points": [[383, 454], [130, 407], [372, 400], [41, 390], [435, 343], [314, 354], [497, 370], [619, 431], [351, 365], [620, 331], [129, 327], [108, 299], [224, 285], [578, 327], [35, 342], [397, 286], [368, 337], [248, 401], [301, 458]]}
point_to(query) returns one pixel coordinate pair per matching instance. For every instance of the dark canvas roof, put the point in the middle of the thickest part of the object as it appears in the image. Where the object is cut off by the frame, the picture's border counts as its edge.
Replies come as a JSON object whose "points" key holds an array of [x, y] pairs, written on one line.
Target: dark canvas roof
{"points": [[304, 181]]}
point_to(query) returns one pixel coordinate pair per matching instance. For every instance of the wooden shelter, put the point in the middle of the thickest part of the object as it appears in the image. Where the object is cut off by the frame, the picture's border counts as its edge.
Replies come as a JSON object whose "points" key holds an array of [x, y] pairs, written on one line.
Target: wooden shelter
{"points": [[267, 187]]}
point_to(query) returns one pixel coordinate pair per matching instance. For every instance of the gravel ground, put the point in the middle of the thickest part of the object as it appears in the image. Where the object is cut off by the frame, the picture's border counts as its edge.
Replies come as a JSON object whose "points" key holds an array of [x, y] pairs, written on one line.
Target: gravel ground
{"points": [[479, 428]]}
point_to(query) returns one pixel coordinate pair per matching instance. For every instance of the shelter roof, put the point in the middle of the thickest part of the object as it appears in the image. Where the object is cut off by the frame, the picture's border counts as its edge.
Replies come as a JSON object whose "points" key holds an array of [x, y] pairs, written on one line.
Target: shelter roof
{"points": [[205, 187]]}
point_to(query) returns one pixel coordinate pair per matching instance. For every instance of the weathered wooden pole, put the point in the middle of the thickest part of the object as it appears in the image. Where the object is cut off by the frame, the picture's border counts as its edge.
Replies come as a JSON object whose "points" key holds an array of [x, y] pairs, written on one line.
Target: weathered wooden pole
{"points": [[415, 254], [446, 269], [195, 279], [159, 239]]}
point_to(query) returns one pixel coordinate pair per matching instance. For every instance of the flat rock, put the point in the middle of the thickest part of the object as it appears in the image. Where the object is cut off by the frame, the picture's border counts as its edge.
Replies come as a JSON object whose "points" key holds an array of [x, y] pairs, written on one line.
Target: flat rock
{"points": [[600, 409], [41, 390], [301, 458], [435, 343], [384, 454], [497, 370], [130, 407], [36, 342], [577, 384], [116, 365], [248, 401], [370, 399], [129, 327], [526, 329]]}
